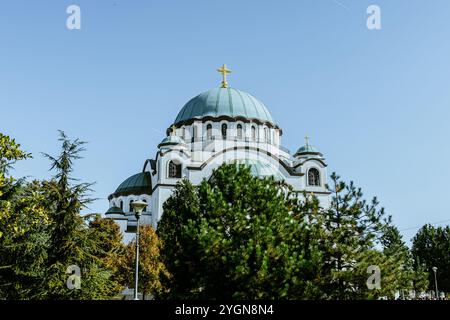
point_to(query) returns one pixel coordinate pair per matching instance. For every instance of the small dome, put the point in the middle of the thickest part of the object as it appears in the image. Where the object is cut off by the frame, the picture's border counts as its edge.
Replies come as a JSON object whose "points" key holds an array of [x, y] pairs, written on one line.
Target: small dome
{"points": [[137, 184], [227, 102], [308, 149], [260, 169], [114, 210], [171, 140]]}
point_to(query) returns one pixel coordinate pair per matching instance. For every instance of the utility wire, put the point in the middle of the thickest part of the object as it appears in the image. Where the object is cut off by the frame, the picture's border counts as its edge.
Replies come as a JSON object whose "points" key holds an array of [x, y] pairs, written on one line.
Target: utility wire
{"points": [[432, 223]]}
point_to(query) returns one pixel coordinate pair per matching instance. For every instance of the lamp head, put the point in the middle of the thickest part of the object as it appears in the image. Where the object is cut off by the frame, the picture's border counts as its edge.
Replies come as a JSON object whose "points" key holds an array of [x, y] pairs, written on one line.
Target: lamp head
{"points": [[138, 207], [434, 269]]}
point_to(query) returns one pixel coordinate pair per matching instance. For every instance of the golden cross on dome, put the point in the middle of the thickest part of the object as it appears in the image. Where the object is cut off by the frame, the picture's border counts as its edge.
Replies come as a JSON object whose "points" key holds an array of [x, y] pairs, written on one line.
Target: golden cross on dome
{"points": [[224, 71]]}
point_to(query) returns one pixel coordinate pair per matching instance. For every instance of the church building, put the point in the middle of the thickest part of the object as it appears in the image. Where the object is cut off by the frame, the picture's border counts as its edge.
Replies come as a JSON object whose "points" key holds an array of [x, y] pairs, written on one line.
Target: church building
{"points": [[221, 125]]}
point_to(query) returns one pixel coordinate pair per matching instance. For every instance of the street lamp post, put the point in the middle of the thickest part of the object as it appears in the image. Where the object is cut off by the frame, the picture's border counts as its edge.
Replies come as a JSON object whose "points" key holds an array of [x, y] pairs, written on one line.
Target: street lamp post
{"points": [[435, 282], [138, 207]]}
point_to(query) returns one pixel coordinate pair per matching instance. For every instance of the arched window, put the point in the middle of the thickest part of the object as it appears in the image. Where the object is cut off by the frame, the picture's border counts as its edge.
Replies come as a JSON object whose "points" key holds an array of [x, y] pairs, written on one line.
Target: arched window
{"points": [[131, 207], [174, 170], [121, 205], [253, 133], [266, 134], [194, 133], [224, 131], [145, 209], [313, 177], [239, 131], [184, 133], [209, 132]]}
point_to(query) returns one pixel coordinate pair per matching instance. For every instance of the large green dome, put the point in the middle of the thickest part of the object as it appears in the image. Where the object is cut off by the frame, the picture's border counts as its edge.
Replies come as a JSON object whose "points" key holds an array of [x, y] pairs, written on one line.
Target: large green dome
{"points": [[224, 102]]}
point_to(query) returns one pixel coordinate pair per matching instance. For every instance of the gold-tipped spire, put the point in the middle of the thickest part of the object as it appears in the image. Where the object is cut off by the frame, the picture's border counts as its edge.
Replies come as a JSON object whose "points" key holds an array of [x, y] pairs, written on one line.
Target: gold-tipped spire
{"points": [[224, 71], [306, 140]]}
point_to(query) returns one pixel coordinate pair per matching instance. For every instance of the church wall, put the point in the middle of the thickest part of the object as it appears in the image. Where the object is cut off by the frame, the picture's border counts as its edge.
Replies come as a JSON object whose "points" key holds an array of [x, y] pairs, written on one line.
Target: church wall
{"points": [[161, 194], [202, 150], [122, 225], [164, 167], [196, 176], [187, 131], [126, 201], [323, 175], [154, 207], [324, 199]]}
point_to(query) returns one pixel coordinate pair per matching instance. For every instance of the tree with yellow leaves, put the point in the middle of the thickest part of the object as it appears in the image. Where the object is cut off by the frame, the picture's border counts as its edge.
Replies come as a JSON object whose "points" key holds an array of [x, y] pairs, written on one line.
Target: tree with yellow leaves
{"points": [[23, 219], [151, 268], [43, 234]]}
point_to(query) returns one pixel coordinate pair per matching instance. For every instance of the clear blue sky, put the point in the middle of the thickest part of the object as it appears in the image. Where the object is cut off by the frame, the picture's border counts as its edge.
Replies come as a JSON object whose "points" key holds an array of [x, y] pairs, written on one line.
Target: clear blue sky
{"points": [[376, 103]]}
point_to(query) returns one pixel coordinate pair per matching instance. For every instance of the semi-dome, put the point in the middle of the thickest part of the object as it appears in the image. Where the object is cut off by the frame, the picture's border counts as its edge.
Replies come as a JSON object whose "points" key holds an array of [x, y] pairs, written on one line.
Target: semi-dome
{"points": [[225, 102], [260, 169], [140, 183]]}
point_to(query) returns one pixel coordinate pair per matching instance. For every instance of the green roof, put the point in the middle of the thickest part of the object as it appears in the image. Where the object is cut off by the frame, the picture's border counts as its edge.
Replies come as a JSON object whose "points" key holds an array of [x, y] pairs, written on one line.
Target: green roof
{"points": [[224, 102], [140, 183], [171, 140], [114, 210], [308, 149]]}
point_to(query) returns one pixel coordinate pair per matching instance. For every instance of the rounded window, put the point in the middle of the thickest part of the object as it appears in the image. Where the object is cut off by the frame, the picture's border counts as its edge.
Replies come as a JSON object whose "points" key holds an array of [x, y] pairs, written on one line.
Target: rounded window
{"points": [[224, 131], [209, 131], [131, 205], [174, 170], [313, 177], [266, 135], [239, 131]]}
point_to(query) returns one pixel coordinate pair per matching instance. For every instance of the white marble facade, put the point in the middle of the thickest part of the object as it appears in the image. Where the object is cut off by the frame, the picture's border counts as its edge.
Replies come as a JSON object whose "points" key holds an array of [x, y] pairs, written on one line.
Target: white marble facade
{"points": [[222, 125]]}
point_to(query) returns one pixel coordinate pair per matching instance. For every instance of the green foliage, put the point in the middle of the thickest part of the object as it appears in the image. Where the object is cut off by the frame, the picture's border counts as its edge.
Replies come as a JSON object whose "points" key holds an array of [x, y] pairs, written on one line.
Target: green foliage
{"points": [[180, 254], [109, 250], [431, 248], [237, 236], [234, 236], [151, 268], [404, 275], [354, 232], [42, 232], [10, 153], [240, 237], [71, 241], [10, 189], [351, 227], [23, 221]]}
